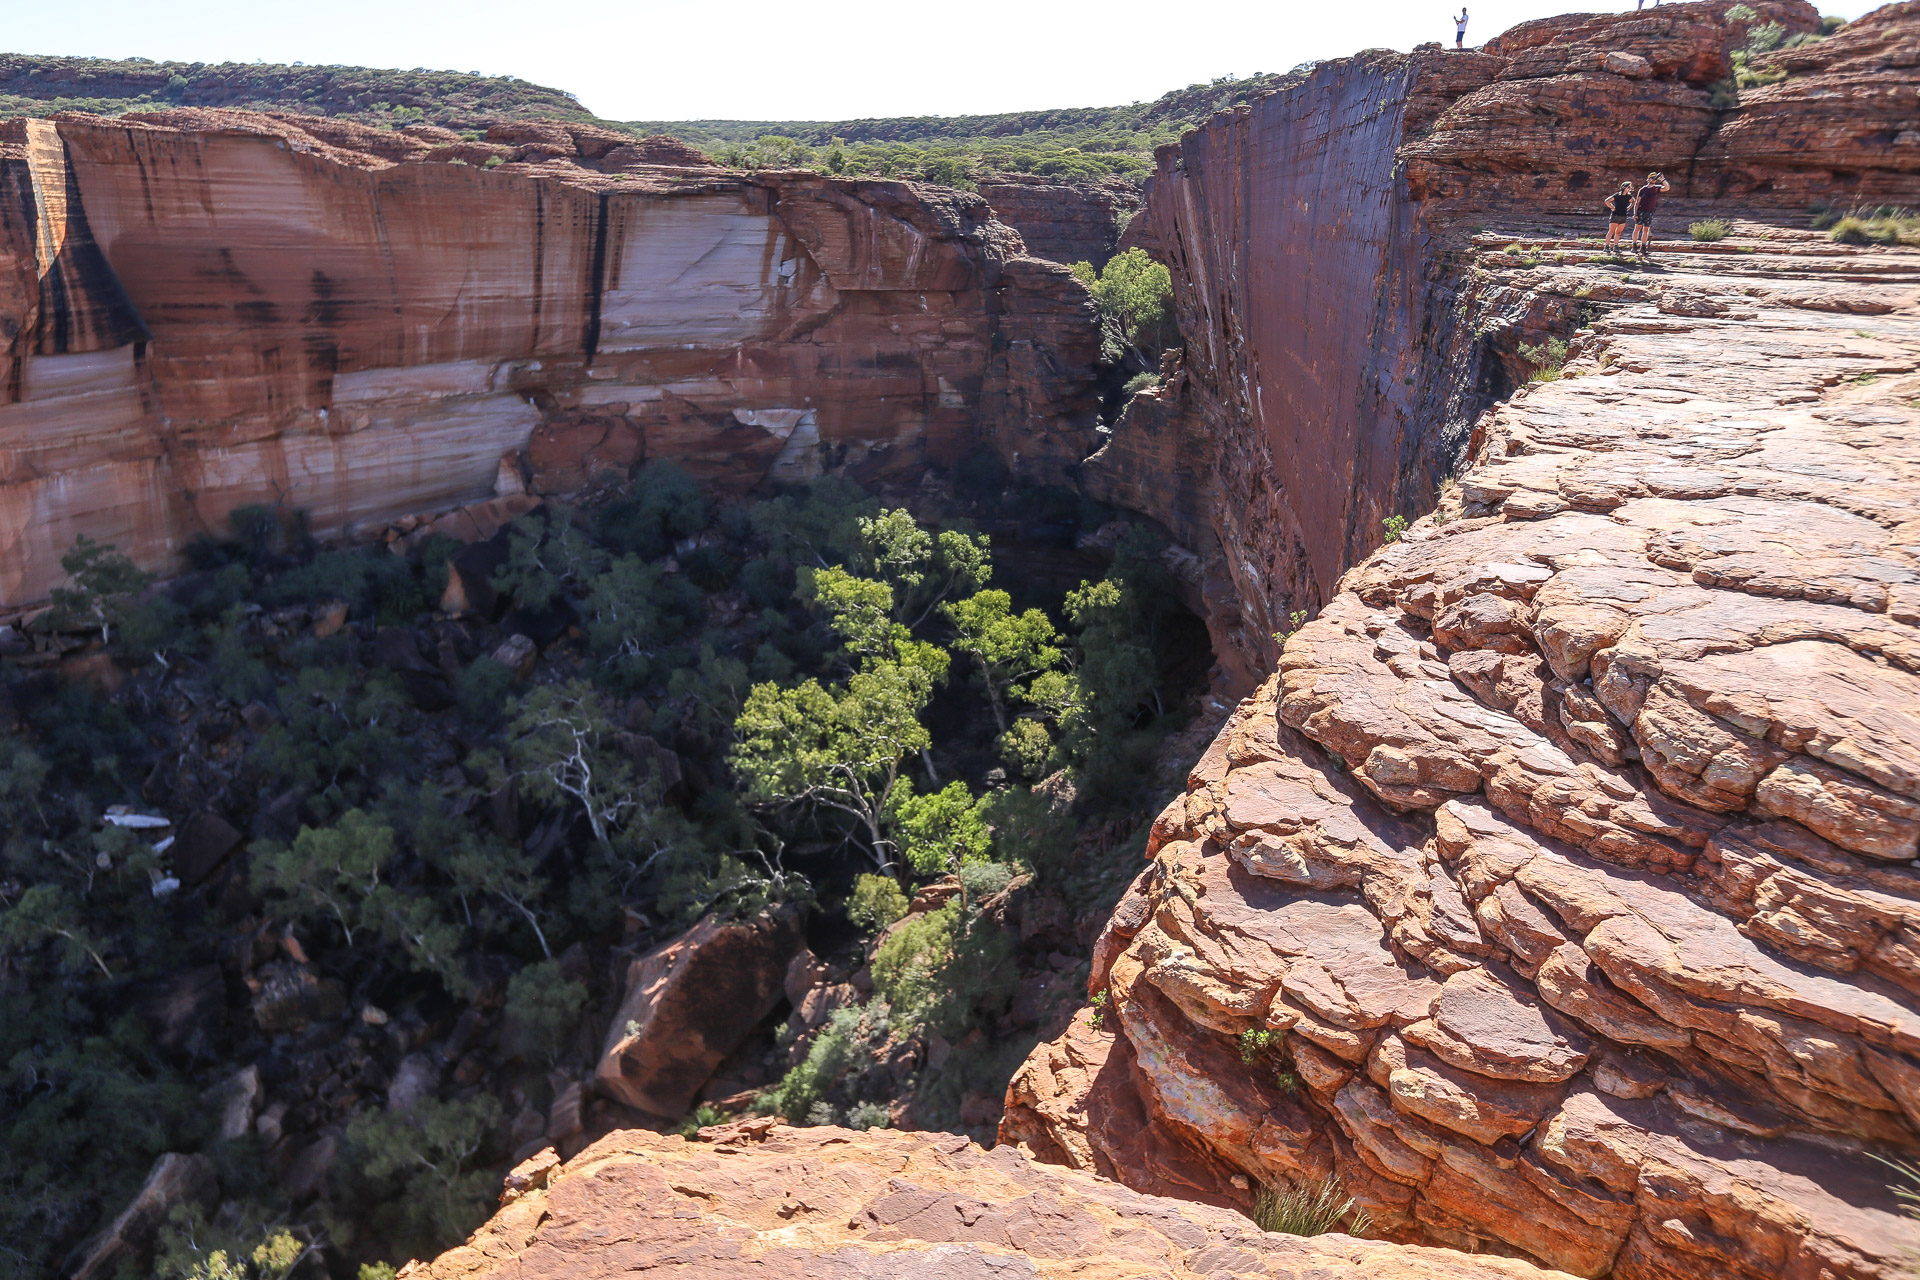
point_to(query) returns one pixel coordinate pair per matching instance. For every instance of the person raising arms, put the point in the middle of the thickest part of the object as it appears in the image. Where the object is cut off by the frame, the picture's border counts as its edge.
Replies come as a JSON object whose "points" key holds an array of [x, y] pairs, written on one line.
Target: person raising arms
{"points": [[1645, 201]]}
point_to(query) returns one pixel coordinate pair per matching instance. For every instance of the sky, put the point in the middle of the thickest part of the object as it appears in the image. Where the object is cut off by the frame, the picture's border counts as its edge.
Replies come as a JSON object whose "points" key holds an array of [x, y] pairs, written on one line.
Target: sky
{"points": [[760, 60]]}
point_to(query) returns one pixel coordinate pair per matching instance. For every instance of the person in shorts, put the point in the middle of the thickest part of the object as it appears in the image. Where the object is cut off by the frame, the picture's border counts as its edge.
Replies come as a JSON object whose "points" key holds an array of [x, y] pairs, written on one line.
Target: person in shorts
{"points": [[1645, 202], [1460, 29], [1619, 207]]}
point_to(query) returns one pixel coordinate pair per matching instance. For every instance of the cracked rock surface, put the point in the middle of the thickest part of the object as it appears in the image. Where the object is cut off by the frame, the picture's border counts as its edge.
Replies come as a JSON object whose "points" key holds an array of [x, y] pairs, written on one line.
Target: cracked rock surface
{"points": [[1570, 852], [758, 1199]]}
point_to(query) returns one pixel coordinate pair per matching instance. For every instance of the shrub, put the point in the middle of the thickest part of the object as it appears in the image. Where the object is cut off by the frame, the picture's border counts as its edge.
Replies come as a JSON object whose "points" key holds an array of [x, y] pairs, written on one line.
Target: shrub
{"points": [[1394, 528], [1026, 748], [1256, 1043], [1884, 225], [801, 1092], [875, 903], [982, 880], [1547, 359], [868, 1115], [542, 1006], [699, 1118], [1307, 1208], [1139, 382], [1709, 229]]}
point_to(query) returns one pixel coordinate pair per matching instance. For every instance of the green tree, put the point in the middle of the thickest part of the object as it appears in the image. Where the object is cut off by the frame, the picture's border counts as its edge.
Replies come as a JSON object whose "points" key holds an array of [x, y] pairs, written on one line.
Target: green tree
{"points": [[560, 742], [482, 866], [45, 912], [1134, 295], [341, 730], [100, 580], [543, 1005], [1007, 648], [923, 568], [940, 831], [418, 1170], [329, 870], [662, 506], [547, 556], [840, 749]]}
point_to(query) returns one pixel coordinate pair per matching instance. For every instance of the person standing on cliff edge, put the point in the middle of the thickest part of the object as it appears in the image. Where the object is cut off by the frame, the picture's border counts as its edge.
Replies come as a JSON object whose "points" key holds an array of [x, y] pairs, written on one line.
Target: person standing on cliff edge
{"points": [[1645, 201], [1460, 29], [1619, 207]]}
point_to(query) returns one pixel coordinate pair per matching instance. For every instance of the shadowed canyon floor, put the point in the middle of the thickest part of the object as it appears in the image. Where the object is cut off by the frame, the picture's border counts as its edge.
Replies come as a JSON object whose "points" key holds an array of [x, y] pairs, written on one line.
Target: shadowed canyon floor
{"points": [[1569, 850]]}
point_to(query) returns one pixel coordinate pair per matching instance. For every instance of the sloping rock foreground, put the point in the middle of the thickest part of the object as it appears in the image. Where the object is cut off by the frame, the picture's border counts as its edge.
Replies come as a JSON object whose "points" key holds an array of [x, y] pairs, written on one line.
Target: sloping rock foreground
{"points": [[757, 1199], [1558, 895], [202, 309]]}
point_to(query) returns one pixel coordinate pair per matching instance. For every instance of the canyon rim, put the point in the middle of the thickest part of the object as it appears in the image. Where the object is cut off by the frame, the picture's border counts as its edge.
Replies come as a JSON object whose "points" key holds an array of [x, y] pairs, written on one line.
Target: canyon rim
{"points": [[1539, 879]]}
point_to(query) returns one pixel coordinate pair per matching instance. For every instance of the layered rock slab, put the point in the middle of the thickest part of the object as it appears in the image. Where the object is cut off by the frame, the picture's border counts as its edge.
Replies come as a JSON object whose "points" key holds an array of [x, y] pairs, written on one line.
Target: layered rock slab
{"points": [[760, 1199], [1568, 850]]}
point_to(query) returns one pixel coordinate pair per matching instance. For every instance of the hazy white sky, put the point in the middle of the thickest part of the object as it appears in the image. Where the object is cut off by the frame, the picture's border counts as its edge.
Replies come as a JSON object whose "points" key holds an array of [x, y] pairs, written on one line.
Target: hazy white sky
{"points": [[791, 60]]}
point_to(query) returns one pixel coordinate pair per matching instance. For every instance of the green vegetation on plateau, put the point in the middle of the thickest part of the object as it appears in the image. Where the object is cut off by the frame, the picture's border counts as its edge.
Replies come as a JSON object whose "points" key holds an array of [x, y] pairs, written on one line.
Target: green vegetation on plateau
{"points": [[1074, 144]]}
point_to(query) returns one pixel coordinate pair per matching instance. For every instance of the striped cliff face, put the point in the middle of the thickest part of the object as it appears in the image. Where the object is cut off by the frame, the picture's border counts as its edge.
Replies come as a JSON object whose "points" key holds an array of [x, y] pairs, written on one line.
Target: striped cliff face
{"points": [[211, 309]]}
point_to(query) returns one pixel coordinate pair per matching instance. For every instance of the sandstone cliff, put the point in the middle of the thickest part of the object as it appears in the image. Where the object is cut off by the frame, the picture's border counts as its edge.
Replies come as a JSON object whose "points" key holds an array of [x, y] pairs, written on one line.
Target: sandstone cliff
{"points": [[1557, 895], [203, 309], [1328, 381]]}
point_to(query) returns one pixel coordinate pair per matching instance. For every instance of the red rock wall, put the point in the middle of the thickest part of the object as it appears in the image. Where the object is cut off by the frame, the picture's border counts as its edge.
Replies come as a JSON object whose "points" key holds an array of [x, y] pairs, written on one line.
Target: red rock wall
{"points": [[1564, 871], [1329, 383], [1312, 327], [208, 309], [1065, 222]]}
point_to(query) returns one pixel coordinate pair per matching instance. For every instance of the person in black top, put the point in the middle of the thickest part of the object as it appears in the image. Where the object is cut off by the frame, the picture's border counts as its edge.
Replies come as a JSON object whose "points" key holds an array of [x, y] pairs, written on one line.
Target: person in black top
{"points": [[1645, 201], [1619, 207]]}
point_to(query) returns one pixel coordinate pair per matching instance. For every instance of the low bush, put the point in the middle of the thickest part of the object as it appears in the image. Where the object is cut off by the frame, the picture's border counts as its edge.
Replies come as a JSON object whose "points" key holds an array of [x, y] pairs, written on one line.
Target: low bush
{"points": [[1885, 225], [1708, 229]]}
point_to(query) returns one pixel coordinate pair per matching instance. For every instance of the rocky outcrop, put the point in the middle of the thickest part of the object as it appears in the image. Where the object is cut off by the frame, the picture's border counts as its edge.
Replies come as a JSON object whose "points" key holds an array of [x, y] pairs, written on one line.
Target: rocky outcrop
{"points": [[1328, 381], [200, 309], [689, 1003], [1062, 221], [762, 1199], [1320, 351], [1569, 853], [1556, 896]]}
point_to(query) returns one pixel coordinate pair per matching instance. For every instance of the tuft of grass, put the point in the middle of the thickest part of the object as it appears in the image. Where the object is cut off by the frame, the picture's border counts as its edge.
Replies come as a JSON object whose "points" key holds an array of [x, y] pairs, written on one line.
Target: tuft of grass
{"points": [[1866, 380], [1884, 225], [1547, 358], [700, 1118], [1709, 229], [1308, 1208]]}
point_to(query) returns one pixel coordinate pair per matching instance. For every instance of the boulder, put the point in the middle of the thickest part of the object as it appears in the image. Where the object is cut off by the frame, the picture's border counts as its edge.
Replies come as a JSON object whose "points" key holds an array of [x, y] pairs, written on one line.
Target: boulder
{"points": [[691, 1002], [203, 842]]}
